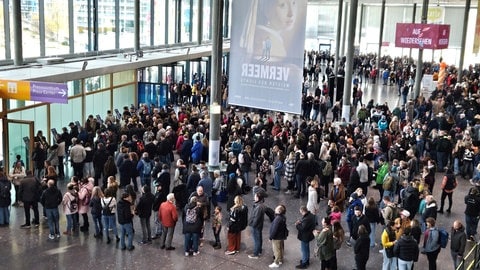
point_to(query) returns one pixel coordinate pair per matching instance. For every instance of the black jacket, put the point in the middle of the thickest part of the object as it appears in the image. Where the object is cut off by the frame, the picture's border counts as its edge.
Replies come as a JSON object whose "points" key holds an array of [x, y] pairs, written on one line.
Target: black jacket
{"points": [[238, 219], [406, 248], [362, 247], [472, 205], [258, 216], [278, 228], [305, 227], [124, 212], [192, 227], [7, 185], [51, 197], [356, 222], [458, 241], [29, 189], [144, 205], [96, 206]]}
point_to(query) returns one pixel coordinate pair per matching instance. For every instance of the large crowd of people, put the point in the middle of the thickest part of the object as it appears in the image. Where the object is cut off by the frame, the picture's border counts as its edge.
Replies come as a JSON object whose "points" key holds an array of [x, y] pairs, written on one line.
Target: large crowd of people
{"points": [[148, 160]]}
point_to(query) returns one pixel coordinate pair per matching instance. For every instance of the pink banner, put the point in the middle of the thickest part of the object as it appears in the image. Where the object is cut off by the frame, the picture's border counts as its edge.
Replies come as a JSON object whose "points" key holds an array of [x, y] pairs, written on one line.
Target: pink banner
{"points": [[422, 36]]}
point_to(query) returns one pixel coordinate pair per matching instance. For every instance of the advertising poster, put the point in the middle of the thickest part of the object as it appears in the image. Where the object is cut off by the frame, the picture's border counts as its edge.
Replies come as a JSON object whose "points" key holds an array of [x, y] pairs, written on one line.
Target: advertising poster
{"points": [[266, 54], [422, 36]]}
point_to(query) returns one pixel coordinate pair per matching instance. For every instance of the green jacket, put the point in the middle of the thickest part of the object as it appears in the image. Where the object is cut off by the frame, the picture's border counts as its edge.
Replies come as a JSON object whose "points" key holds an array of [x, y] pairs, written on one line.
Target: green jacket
{"points": [[381, 172], [325, 246]]}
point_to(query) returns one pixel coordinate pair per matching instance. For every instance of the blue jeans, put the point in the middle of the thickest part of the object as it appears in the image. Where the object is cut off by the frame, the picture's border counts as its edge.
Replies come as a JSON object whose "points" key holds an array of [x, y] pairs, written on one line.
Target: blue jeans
{"points": [[277, 179], [97, 220], [442, 159], [71, 221], [404, 265], [456, 166], [301, 185], [191, 242], [305, 248], [257, 241], [109, 223], [145, 180], [471, 224], [373, 225], [4, 215], [126, 229], [389, 263], [53, 220]]}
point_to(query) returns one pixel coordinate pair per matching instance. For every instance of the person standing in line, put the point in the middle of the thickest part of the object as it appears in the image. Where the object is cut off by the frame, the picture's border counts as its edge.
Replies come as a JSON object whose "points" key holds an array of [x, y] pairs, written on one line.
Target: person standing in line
{"points": [[388, 241], [144, 211], [256, 222], [312, 203], [431, 243], [406, 249], [449, 183], [325, 244], [278, 235], [457, 243], [125, 218], [51, 198], [472, 201], [28, 193], [192, 219], [96, 211], [109, 205], [361, 248], [168, 216], [305, 227], [217, 226], [5, 199], [77, 156], [237, 223]]}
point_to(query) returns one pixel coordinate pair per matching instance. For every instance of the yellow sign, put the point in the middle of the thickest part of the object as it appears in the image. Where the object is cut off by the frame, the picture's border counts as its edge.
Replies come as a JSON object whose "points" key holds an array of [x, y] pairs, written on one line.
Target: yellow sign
{"points": [[15, 89], [435, 15]]}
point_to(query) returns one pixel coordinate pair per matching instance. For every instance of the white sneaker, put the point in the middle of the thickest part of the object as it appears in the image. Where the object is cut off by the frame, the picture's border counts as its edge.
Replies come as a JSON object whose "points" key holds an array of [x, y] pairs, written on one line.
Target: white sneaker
{"points": [[273, 265], [196, 253], [288, 192], [51, 236], [187, 254]]}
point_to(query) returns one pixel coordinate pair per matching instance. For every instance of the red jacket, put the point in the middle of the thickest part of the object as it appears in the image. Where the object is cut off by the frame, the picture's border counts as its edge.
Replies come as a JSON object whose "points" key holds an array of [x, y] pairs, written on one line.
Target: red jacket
{"points": [[168, 214]]}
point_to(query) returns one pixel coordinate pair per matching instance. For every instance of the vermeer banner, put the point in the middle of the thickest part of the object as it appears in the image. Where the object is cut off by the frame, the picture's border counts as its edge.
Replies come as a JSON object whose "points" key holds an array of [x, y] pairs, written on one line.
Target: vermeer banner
{"points": [[266, 54]]}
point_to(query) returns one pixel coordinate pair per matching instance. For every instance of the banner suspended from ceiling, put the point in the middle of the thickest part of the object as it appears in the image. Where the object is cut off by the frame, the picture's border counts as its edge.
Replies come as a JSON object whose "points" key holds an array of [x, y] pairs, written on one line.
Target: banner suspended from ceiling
{"points": [[266, 54]]}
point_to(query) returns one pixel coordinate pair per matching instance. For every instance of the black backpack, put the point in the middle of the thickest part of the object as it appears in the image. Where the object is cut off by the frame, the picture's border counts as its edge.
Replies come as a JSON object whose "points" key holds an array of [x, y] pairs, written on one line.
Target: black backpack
{"points": [[5, 190], [106, 210]]}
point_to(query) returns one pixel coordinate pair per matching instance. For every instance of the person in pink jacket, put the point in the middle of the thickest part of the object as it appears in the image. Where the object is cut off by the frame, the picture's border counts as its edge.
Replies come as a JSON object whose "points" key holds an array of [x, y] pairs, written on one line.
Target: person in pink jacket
{"points": [[84, 196]]}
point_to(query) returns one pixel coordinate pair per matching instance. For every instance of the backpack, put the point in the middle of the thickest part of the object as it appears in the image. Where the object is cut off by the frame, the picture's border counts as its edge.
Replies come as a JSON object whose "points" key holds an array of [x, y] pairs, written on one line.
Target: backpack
{"points": [[395, 212], [388, 183], [140, 147], [73, 205], [191, 215], [5, 191], [450, 182], [327, 169], [442, 237], [106, 210], [147, 168]]}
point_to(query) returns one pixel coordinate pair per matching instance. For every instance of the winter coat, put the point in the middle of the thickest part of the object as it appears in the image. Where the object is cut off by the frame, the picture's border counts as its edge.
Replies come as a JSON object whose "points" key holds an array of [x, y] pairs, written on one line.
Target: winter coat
{"points": [[168, 214], [362, 247], [29, 189], [84, 192], [238, 219], [458, 241], [67, 200], [325, 245], [124, 212], [144, 205], [305, 227], [278, 228], [406, 248], [192, 227], [258, 215], [51, 198]]}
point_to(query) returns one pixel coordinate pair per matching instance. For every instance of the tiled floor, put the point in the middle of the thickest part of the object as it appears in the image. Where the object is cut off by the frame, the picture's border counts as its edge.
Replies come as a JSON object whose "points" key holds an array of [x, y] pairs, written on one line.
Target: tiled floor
{"points": [[29, 248]]}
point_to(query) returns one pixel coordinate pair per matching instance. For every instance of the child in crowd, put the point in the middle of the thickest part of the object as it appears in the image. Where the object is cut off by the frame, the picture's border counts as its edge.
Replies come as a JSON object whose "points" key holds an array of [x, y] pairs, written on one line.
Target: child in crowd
{"points": [[70, 208], [335, 215], [217, 226]]}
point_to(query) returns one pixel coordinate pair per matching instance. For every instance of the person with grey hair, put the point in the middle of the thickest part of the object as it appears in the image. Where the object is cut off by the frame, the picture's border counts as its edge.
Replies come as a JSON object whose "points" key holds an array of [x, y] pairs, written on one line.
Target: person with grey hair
{"points": [[168, 216], [51, 198], [217, 186]]}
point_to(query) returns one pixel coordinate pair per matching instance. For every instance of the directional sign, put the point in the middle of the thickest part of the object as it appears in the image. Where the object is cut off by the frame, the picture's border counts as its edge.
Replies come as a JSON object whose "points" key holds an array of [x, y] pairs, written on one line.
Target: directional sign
{"points": [[36, 91]]}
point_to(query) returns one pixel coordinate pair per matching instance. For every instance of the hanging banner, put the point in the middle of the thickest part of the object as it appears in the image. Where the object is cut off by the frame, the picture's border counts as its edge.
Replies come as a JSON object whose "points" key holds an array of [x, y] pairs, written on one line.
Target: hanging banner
{"points": [[422, 36], [266, 54], [476, 39]]}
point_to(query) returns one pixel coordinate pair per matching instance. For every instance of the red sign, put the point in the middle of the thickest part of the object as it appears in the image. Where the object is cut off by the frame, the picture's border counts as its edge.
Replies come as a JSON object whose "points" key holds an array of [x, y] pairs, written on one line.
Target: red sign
{"points": [[422, 36]]}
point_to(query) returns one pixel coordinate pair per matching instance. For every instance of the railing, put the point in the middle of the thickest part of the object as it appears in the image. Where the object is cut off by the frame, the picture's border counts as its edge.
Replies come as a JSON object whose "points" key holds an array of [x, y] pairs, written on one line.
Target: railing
{"points": [[472, 259]]}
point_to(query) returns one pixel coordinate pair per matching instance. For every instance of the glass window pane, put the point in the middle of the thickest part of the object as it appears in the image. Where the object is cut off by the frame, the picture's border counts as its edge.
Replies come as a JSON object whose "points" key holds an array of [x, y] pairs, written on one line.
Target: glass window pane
{"points": [[74, 88], [97, 103], [96, 83], [159, 25], [126, 24], [171, 21], [39, 114], [80, 25], [123, 96], [30, 28], [106, 23], [186, 22], [56, 27], [62, 114], [195, 26], [2, 34], [145, 19], [123, 77], [16, 104], [206, 9]]}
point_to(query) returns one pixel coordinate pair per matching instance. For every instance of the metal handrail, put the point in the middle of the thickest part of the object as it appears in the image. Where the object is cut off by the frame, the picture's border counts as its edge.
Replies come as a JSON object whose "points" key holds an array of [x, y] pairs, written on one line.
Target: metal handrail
{"points": [[474, 262]]}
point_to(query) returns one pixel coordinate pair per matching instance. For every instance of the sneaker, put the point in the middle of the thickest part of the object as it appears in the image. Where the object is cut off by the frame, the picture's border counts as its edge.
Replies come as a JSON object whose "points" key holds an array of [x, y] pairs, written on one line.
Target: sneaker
{"points": [[25, 226], [196, 253], [131, 248], [187, 254], [348, 243], [288, 192], [253, 256], [51, 236], [230, 252], [274, 265], [57, 235]]}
